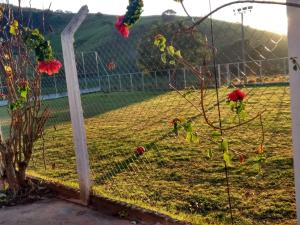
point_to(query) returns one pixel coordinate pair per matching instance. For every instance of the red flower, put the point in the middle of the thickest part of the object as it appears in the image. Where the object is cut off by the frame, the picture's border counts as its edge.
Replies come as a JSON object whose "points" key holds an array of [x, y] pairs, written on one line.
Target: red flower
{"points": [[23, 83], [175, 121], [236, 95], [3, 96], [140, 150], [121, 27], [50, 67]]}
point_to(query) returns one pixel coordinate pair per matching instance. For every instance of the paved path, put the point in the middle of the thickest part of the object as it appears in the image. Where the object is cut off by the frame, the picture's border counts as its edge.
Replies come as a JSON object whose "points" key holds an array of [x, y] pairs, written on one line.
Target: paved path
{"points": [[55, 212]]}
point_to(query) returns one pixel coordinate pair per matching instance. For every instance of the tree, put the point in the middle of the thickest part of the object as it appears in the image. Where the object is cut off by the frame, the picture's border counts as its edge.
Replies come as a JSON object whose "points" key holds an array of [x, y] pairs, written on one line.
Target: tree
{"points": [[24, 56]]}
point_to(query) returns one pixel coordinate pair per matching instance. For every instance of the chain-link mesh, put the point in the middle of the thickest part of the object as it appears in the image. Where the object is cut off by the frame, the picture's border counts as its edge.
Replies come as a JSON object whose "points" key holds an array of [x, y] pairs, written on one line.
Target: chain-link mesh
{"points": [[130, 99]]}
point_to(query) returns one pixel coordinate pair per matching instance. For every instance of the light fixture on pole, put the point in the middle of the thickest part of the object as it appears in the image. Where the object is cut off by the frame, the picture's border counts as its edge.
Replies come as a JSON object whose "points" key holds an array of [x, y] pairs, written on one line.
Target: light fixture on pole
{"points": [[241, 11]]}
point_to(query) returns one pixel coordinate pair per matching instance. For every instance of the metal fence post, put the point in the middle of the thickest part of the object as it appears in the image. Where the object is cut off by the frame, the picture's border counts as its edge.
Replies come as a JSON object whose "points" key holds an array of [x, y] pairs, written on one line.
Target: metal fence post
{"points": [[169, 72], [228, 74], [294, 50], [156, 82], [108, 82], [238, 71], [78, 128], [98, 71], [261, 71], [143, 81], [55, 85], [84, 72], [219, 75], [131, 82], [120, 83]]}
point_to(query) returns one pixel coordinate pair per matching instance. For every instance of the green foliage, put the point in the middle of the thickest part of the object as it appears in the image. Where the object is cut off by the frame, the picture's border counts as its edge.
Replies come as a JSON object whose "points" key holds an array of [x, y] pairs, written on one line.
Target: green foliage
{"points": [[189, 46], [36, 41], [134, 11]]}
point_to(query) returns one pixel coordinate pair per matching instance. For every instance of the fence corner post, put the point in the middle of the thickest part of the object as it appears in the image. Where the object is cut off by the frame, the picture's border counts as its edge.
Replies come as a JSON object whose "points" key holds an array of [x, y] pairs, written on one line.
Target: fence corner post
{"points": [[79, 134], [294, 50]]}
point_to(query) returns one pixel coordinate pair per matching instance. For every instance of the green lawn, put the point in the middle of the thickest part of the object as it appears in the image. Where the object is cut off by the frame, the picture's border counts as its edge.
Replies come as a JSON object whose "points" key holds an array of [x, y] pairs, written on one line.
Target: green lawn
{"points": [[175, 177]]}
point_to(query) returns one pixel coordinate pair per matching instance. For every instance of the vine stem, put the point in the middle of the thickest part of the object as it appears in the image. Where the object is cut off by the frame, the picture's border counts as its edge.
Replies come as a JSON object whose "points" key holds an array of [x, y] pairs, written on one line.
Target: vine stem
{"points": [[219, 114]]}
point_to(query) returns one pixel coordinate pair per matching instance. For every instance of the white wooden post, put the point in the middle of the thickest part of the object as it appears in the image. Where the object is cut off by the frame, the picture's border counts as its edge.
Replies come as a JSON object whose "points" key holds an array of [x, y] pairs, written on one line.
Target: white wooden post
{"points": [[79, 134], [294, 51]]}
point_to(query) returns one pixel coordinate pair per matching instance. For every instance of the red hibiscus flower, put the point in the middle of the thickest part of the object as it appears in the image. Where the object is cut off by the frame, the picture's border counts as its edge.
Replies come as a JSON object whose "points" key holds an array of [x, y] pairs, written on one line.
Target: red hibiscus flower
{"points": [[140, 150], [236, 95], [121, 27], [50, 67]]}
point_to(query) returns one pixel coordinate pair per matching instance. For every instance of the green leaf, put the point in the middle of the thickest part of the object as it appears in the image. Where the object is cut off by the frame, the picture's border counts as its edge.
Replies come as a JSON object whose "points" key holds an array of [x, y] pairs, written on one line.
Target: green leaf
{"points": [[216, 134], [209, 154], [23, 93], [227, 158], [188, 127], [164, 58], [188, 137], [195, 138], [178, 54], [162, 47], [171, 50], [224, 146], [172, 62]]}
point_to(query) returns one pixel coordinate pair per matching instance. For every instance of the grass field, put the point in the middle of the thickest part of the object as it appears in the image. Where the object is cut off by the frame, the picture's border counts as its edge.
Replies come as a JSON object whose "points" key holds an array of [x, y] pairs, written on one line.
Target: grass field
{"points": [[175, 177]]}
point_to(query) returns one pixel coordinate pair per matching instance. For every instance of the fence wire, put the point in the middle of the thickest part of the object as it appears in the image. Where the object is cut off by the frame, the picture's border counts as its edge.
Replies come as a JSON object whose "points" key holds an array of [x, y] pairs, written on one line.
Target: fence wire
{"points": [[129, 100]]}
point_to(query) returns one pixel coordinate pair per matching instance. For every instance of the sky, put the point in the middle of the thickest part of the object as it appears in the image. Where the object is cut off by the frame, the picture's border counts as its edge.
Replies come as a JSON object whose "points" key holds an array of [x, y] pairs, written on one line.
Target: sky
{"points": [[265, 17]]}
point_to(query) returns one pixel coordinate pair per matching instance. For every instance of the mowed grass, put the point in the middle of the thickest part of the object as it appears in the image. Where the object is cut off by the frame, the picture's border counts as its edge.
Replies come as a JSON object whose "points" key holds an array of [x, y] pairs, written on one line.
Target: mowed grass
{"points": [[173, 176]]}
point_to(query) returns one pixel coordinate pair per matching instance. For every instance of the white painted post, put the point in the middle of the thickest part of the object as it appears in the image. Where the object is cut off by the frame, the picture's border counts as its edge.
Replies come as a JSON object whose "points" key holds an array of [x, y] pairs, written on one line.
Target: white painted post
{"points": [[294, 51], [79, 134]]}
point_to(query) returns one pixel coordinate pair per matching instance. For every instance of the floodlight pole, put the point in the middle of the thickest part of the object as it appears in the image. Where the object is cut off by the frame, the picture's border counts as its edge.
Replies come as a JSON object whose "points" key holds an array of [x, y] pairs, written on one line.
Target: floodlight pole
{"points": [[294, 51], [79, 134], [243, 11]]}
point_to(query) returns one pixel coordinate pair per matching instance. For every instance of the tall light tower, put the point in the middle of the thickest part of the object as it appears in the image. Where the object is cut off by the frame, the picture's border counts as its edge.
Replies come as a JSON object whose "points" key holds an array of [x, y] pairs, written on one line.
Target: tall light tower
{"points": [[242, 11]]}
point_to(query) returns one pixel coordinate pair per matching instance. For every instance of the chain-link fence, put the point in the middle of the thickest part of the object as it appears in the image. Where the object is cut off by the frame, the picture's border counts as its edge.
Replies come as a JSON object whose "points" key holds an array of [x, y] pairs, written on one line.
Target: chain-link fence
{"points": [[130, 101]]}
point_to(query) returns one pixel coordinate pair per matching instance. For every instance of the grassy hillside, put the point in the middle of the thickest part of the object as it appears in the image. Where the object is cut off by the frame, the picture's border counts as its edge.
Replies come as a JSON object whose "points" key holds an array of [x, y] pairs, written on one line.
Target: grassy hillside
{"points": [[98, 30]]}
